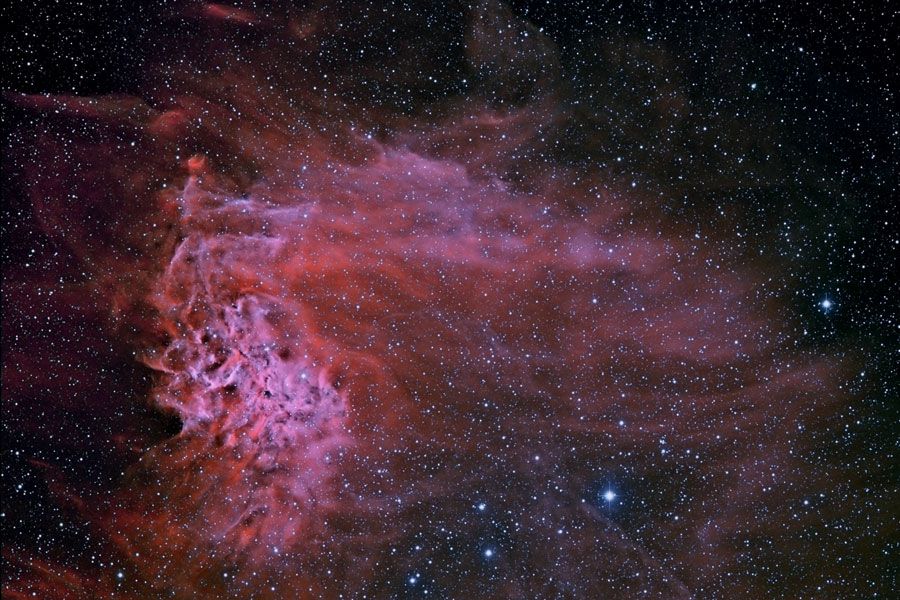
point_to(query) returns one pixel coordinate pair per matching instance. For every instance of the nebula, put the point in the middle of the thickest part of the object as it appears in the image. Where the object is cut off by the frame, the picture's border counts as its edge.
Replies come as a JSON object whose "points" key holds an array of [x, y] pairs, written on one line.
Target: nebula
{"points": [[413, 350]]}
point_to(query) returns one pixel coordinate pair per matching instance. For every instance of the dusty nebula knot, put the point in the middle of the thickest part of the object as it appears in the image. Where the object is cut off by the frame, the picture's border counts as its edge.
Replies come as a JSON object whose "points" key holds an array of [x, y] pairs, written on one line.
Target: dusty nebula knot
{"points": [[391, 302]]}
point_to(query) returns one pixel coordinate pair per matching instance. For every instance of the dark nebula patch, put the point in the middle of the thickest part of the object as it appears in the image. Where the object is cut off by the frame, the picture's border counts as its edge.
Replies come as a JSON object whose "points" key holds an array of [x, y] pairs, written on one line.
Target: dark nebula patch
{"points": [[365, 300]]}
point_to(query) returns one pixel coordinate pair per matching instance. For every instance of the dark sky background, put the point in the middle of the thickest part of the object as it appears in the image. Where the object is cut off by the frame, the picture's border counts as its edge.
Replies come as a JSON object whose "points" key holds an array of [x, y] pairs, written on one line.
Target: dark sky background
{"points": [[768, 128]]}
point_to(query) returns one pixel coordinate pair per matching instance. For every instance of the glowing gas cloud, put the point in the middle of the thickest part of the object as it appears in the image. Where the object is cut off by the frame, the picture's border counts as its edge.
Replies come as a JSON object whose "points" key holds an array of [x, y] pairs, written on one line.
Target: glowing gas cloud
{"points": [[413, 349]]}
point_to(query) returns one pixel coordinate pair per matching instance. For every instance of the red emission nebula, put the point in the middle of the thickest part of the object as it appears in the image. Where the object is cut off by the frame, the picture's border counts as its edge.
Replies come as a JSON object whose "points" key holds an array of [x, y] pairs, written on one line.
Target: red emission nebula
{"points": [[405, 350]]}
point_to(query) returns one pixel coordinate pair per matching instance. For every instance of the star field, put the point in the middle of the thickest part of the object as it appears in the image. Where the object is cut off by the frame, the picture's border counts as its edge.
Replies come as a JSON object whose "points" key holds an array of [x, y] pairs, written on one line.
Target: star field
{"points": [[406, 300]]}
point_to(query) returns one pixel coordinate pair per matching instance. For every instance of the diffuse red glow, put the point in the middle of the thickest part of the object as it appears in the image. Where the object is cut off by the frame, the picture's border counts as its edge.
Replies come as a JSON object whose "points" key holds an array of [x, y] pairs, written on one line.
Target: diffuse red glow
{"points": [[363, 334]]}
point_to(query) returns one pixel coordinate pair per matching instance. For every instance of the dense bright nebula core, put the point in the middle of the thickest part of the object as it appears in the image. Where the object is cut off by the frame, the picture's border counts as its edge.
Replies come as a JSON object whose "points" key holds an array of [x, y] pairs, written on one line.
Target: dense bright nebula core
{"points": [[380, 327]]}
